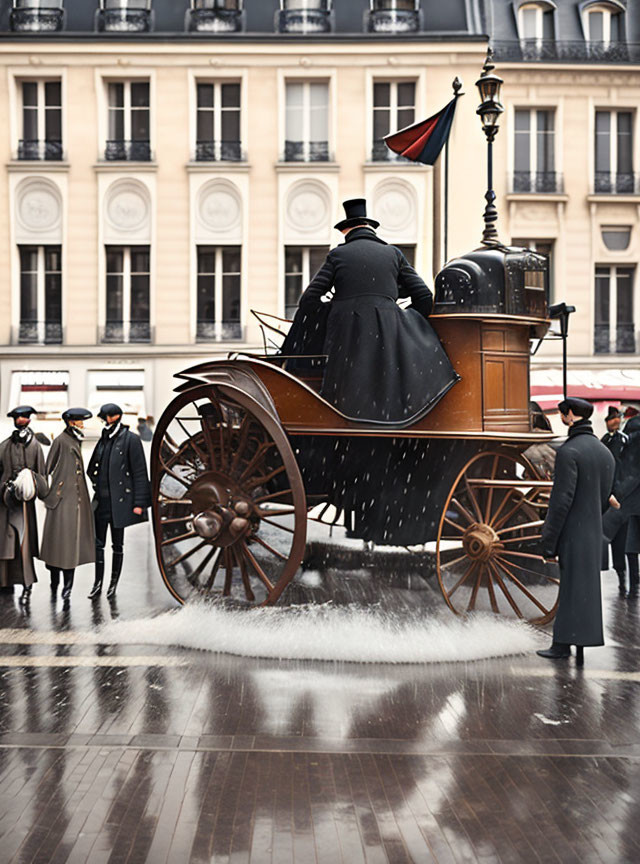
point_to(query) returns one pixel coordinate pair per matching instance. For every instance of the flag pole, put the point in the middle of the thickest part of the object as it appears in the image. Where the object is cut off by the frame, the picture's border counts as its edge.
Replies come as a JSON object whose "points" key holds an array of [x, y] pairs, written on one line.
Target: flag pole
{"points": [[457, 87]]}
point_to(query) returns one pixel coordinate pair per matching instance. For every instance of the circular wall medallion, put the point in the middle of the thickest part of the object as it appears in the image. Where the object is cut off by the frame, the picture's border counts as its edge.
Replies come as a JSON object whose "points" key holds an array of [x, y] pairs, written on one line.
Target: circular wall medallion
{"points": [[219, 208], [127, 207], [307, 207], [39, 207], [395, 207]]}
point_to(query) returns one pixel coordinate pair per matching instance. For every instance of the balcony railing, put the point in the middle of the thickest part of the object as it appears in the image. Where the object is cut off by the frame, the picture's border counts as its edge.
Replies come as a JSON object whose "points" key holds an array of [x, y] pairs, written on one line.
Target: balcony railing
{"points": [[624, 335], [537, 181], [607, 183], [306, 151], [393, 21], [36, 20], [552, 50], [303, 21], [50, 151], [37, 333], [224, 331], [214, 21], [123, 20], [219, 151], [127, 151], [125, 332]]}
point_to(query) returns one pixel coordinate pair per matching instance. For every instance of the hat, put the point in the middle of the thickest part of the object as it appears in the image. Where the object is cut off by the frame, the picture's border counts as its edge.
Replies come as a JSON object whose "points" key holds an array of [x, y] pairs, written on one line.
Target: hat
{"points": [[109, 410], [22, 411], [356, 213], [612, 413], [630, 411], [580, 407], [76, 414]]}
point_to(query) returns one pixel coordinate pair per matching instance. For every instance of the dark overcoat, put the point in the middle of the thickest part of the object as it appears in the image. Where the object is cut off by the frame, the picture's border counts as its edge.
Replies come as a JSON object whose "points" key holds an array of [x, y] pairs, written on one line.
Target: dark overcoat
{"points": [[573, 531], [68, 538], [626, 488], [18, 526], [127, 477], [384, 364]]}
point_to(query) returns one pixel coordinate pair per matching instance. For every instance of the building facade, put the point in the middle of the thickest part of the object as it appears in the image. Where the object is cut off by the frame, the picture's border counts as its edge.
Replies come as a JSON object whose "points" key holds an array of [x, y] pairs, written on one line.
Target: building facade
{"points": [[170, 166]]}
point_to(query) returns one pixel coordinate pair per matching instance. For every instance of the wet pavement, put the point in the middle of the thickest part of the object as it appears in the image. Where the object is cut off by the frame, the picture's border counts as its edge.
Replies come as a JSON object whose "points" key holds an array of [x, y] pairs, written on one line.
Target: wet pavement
{"points": [[153, 753]]}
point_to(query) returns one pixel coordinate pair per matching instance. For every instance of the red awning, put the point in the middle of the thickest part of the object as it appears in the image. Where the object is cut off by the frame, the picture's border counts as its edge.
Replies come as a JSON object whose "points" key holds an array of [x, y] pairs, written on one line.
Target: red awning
{"points": [[597, 385]]}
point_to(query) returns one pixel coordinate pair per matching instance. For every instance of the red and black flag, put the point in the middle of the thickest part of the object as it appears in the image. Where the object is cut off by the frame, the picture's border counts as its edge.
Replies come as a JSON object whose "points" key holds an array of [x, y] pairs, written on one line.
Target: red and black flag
{"points": [[423, 141]]}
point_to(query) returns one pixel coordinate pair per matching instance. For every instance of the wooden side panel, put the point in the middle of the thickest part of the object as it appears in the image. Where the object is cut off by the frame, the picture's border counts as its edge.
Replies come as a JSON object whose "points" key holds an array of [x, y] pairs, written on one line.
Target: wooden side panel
{"points": [[505, 351]]}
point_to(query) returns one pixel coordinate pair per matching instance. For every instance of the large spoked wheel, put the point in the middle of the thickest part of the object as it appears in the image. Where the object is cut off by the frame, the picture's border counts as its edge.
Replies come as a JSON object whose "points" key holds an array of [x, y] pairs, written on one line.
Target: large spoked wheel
{"points": [[488, 555], [229, 506]]}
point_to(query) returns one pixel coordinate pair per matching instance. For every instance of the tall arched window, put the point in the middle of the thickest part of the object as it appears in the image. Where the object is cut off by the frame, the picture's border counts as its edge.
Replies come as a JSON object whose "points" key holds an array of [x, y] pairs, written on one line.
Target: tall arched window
{"points": [[536, 22], [603, 23]]}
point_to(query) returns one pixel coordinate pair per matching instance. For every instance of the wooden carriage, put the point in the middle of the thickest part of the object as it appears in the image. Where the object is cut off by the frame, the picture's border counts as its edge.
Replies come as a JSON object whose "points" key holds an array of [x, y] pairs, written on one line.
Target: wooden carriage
{"points": [[230, 462]]}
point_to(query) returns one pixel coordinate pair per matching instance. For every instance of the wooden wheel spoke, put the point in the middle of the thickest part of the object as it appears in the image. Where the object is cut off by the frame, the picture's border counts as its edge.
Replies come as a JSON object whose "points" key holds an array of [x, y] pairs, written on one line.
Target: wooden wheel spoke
{"points": [[243, 436], [255, 460], [263, 513], [454, 525], [214, 570], [272, 495], [242, 564], [522, 502], [269, 548], [472, 497], [171, 473], [187, 554], [506, 497], [543, 575], [195, 575], [523, 555], [280, 527], [521, 539], [256, 566], [192, 441], [505, 591], [163, 500], [470, 519], [494, 469], [209, 440], [175, 520], [260, 481], [492, 593], [177, 539], [228, 574], [474, 593], [521, 586], [463, 578], [456, 560], [537, 524]]}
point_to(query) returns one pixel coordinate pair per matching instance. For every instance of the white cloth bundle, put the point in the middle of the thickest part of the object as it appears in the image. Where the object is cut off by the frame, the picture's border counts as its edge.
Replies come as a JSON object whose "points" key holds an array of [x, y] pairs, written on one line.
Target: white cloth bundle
{"points": [[24, 485]]}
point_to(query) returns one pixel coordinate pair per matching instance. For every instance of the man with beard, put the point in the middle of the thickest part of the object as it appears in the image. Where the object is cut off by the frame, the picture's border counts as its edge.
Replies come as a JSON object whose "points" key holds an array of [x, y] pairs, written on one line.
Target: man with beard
{"points": [[18, 528], [118, 471], [572, 531]]}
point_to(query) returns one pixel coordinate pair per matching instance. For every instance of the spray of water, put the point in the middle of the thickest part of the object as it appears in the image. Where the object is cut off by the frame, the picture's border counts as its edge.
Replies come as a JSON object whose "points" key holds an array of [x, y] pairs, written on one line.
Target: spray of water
{"points": [[330, 633]]}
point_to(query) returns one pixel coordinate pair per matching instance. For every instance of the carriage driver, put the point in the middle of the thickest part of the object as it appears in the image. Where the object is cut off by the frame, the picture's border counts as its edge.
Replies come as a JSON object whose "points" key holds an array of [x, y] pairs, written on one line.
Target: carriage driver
{"points": [[384, 364]]}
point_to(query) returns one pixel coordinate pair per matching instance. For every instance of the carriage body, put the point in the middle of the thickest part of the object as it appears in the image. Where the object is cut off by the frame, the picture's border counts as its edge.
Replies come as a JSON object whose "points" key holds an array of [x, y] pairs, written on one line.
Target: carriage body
{"points": [[248, 449]]}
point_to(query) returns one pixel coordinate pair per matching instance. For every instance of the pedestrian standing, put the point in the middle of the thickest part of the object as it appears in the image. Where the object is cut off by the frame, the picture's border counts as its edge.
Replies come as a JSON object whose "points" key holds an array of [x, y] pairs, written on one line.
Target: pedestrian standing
{"points": [[572, 531], [118, 472], [626, 491], [68, 538], [616, 440], [18, 527]]}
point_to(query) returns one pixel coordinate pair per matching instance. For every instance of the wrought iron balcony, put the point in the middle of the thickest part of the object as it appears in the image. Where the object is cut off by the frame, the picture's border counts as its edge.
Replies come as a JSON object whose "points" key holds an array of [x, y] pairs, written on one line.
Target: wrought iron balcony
{"points": [[393, 21], [127, 151], [537, 181], [123, 20], [125, 332], [552, 50], [219, 151], [306, 151], [303, 21], [50, 151], [625, 339], [214, 20], [608, 183], [31, 332], [226, 331], [36, 20]]}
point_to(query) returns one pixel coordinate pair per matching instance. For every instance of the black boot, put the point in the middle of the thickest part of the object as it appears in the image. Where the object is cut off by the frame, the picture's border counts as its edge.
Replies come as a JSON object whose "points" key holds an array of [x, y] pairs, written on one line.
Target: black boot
{"points": [[99, 577], [25, 597], [634, 577], [67, 575], [116, 570], [54, 575], [622, 583], [557, 651]]}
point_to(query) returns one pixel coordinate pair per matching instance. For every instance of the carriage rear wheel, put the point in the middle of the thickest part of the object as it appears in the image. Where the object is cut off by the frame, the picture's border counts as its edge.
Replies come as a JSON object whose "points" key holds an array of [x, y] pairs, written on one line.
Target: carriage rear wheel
{"points": [[229, 506], [488, 540]]}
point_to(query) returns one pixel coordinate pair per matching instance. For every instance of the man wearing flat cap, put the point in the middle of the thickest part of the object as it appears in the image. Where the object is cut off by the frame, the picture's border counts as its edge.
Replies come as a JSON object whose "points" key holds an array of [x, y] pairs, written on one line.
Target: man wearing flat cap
{"points": [[18, 528], [118, 472], [68, 538], [616, 441], [572, 531]]}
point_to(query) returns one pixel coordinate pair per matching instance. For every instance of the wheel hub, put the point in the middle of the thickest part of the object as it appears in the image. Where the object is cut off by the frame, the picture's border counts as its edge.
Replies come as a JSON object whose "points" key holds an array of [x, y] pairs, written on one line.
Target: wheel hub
{"points": [[224, 514], [480, 542]]}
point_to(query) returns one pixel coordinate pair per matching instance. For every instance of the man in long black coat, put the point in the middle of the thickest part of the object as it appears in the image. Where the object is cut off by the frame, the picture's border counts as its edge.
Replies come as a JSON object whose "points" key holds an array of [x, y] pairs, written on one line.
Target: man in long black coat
{"points": [[616, 440], [118, 471], [572, 531], [626, 490]]}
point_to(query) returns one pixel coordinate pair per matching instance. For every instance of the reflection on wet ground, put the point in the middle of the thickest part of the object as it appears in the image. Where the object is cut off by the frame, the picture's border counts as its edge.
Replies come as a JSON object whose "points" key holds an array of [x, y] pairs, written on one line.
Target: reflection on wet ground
{"points": [[150, 753]]}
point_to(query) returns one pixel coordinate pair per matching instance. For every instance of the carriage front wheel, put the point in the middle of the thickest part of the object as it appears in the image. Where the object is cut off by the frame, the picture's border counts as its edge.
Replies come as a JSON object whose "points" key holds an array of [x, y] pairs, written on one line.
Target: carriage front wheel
{"points": [[488, 552]]}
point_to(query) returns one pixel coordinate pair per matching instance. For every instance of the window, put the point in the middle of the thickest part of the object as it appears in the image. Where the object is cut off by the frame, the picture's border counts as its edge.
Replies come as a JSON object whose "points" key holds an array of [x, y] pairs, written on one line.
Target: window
{"points": [[394, 16], [128, 122], [215, 16], [542, 247], [614, 152], [603, 24], [614, 318], [394, 105], [536, 22], [124, 16], [218, 122], [534, 151], [301, 263], [47, 392], [41, 120], [218, 293], [304, 16], [37, 16], [307, 122], [127, 295], [616, 237], [40, 295]]}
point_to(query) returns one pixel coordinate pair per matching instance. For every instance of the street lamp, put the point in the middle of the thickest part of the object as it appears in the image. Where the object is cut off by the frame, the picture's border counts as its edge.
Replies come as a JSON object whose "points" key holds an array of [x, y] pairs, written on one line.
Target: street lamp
{"points": [[489, 111]]}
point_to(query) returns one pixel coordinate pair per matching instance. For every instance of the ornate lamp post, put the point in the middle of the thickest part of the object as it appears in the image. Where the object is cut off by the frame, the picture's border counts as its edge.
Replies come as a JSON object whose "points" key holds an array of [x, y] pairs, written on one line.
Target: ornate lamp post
{"points": [[489, 111]]}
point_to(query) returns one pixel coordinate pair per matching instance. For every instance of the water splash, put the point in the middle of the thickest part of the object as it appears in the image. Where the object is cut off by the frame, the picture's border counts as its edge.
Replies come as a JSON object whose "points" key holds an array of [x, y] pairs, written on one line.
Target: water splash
{"points": [[329, 633]]}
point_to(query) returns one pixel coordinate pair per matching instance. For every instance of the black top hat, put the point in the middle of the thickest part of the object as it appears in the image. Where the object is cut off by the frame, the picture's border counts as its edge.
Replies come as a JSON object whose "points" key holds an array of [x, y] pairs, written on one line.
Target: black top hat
{"points": [[22, 411], [580, 407], [356, 213], [612, 413], [109, 410], [76, 414]]}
